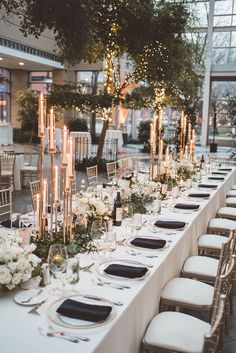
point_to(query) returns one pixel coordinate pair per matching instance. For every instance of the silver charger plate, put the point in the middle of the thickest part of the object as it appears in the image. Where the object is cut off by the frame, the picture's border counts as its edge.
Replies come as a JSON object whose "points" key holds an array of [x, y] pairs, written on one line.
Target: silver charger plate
{"points": [[127, 242], [103, 265], [71, 323]]}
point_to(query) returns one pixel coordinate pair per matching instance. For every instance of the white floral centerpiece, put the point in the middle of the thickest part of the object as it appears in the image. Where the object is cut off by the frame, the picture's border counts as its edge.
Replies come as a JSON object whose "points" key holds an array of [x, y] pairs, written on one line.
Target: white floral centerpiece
{"points": [[90, 205], [185, 168], [146, 189], [17, 262]]}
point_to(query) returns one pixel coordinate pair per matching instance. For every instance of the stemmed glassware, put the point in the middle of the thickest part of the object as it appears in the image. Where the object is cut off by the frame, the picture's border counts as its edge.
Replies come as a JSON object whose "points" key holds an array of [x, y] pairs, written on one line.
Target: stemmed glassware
{"points": [[98, 234], [57, 261]]}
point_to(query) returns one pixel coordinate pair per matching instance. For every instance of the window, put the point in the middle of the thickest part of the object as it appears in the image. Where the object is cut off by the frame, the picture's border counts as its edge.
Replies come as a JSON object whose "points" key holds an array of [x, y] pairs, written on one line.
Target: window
{"points": [[92, 81], [40, 81], [4, 94]]}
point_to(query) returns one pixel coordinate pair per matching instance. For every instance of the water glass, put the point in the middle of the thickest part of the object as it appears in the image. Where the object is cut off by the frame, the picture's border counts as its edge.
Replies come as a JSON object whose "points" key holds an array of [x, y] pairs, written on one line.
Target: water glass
{"points": [[157, 207], [127, 210], [111, 241], [98, 231], [137, 221]]}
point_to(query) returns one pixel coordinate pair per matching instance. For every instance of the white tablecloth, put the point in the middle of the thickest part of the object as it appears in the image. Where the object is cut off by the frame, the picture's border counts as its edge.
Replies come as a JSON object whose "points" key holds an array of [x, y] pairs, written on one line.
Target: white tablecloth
{"points": [[58, 136], [6, 134], [19, 330], [82, 144], [115, 134], [19, 163]]}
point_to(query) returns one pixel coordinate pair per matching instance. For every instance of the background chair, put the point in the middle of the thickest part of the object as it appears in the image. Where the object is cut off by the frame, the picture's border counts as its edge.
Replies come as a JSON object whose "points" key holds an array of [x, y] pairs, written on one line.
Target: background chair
{"points": [[111, 170], [92, 175], [5, 204], [7, 163], [34, 190], [30, 171]]}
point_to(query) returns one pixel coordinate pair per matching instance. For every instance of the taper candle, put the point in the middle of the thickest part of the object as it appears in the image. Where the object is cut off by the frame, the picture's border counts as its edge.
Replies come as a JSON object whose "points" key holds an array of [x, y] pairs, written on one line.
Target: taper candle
{"points": [[56, 186]]}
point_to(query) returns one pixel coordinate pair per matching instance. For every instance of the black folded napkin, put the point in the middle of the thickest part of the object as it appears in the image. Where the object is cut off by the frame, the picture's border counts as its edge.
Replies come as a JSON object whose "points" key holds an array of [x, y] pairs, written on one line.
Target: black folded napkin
{"points": [[226, 169], [184, 206], [16, 224], [128, 177], [216, 178], [7, 223], [149, 243], [83, 311], [170, 224], [126, 271], [199, 195], [107, 185], [218, 173], [208, 186]]}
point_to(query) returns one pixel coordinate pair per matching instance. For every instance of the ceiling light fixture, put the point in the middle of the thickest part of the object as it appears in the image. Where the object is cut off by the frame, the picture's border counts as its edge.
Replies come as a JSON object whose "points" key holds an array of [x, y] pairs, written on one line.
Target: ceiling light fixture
{"points": [[1, 58], [21, 63]]}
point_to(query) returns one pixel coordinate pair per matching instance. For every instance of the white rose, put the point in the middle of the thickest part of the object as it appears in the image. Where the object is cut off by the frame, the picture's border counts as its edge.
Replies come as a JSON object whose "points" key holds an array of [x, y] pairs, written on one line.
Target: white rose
{"points": [[17, 278], [5, 275]]}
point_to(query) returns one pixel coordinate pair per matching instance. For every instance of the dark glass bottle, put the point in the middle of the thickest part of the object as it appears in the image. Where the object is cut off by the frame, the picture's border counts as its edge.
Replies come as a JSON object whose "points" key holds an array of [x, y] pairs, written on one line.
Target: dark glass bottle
{"points": [[117, 210], [202, 162]]}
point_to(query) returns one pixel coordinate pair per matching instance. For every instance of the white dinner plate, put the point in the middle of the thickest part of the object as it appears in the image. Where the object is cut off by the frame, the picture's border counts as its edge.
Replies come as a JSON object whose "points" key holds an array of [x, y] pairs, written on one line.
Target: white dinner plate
{"points": [[69, 322], [103, 265], [127, 242], [26, 294]]}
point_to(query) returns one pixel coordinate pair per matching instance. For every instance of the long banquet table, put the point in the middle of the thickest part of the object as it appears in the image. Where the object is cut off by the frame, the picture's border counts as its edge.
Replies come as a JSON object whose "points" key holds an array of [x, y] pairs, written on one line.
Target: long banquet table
{"points": [[19, 330]]}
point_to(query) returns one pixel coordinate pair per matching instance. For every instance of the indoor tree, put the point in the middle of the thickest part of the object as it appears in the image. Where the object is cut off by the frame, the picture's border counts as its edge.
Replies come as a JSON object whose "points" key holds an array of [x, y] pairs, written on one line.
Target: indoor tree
{"points": [[151, 33]]}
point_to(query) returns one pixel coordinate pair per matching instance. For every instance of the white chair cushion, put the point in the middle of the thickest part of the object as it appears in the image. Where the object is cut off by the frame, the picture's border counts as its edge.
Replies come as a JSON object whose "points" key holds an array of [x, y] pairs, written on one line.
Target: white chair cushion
{"points": [[234, 187], [227, 212], [231, 193], [189, 291], [212, 241], [222, 224], [29, 168], [231, 201], [201, 265], [177, 332]]}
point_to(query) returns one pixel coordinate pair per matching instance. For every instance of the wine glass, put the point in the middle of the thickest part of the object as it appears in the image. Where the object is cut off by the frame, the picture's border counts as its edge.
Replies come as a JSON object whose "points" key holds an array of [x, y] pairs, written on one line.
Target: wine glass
{"points": [[111, 241], [137, 221], [57, 261], [98, 231], [174, 194]]}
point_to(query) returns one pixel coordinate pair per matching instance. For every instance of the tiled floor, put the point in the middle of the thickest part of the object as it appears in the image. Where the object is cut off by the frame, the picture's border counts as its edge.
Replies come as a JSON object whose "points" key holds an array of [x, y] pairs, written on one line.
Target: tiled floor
{"points": [[23, 197]]}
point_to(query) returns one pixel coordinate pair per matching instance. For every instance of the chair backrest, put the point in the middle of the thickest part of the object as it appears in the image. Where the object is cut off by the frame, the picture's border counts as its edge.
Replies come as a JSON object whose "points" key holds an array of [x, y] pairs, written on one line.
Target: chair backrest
{"points": [[5, 204], [34, 189], [228, 248], [111, 170], [7, 162], [92, 175], [125, 166], [28, 150], [73, 185], [135, 164], [212, 339]]}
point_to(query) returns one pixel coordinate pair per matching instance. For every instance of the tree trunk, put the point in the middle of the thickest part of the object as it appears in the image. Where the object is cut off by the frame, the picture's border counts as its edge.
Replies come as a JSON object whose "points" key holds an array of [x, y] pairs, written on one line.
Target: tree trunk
{"points": [[102, 139]]}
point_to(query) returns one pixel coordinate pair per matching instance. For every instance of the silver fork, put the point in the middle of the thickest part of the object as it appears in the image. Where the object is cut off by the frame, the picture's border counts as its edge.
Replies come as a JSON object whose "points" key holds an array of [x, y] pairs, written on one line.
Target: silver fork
{"points": [[33, 296], [50, 334], [68, 334]]}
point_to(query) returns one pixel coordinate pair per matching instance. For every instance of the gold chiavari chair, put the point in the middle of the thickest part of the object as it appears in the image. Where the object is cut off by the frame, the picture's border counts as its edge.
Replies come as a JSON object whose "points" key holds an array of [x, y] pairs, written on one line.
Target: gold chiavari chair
{"points": [[206, 269], [181, 333], [34, 190], [73, 185], [125, 167], [92, 175], [30, 171], [7, 163], [111, 170], [5, 204]]}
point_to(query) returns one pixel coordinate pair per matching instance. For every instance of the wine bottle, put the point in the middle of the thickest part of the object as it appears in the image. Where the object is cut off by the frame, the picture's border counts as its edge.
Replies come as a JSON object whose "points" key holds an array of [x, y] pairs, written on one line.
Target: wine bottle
{"points": [[202, 162], [117, 210]]}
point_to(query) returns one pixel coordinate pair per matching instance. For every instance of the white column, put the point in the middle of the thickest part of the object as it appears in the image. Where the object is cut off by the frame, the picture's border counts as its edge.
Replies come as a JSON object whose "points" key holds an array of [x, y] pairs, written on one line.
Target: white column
{"points": [[207, 79]]}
